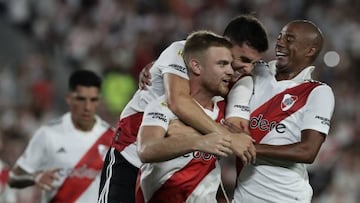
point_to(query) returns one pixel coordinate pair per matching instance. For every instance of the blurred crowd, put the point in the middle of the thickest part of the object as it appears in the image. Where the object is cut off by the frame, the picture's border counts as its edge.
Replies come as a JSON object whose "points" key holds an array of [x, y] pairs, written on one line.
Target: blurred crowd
{"points": [[42, 41]]}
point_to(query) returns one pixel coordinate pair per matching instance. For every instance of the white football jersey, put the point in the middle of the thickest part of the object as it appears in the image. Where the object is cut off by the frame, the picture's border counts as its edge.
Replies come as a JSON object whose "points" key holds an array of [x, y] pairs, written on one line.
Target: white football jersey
{"points": [[193, 177], [170, 61], [280, 110], [79, 156]]}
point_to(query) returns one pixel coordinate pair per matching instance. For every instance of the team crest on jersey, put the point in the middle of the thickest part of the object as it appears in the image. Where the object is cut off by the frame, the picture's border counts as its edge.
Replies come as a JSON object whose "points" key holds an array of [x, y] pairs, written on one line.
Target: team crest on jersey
{"points": [[288, 101]]}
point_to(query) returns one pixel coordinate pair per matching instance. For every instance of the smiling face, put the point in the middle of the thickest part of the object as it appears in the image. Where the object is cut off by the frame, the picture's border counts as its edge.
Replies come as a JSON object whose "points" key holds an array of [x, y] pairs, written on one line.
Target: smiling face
{"points": [[298, 44], [83, 103], [244, 58]]}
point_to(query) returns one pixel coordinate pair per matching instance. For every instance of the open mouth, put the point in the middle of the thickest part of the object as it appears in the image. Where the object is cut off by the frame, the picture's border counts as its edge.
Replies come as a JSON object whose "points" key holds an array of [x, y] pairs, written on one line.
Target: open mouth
{"points": [[226, 81], [280, 54]]}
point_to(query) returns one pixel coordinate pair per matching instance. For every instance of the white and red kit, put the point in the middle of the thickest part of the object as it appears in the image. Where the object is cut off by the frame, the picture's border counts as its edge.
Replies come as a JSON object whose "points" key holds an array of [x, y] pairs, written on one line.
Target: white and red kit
{"points": [[122, 161], [280, 110], [193, 177], [170, 61], [78, 154], [7, 194]]}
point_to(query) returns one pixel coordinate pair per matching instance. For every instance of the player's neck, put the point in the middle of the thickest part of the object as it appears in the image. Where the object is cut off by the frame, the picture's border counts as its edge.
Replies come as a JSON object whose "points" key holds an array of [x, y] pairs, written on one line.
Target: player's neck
{"points": [[286, 75], [204, 100], [84, 126]]}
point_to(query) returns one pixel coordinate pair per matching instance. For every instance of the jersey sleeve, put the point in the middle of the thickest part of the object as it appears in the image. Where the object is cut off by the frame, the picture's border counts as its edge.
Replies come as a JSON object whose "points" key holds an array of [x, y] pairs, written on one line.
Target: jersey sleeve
{"points": [[157, 114], [171, 60], [319, 109], [34, 156], [239, 97]]}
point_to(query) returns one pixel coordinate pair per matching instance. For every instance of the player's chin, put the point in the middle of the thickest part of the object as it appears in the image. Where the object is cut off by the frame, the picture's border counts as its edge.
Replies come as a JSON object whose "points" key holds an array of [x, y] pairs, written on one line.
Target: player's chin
{"points": [[223, 91]]}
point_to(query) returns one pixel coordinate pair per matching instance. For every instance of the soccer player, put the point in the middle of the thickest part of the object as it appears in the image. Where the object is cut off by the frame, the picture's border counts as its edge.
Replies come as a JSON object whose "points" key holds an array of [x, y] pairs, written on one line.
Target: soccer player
{"points": [[65, 157], [290, 118], [184, 168], [7, 194], [169, 77]]}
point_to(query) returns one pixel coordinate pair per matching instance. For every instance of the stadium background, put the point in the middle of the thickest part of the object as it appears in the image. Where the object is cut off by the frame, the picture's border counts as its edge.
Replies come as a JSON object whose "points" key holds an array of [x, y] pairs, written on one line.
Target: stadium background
{"points": [[42, 41]]}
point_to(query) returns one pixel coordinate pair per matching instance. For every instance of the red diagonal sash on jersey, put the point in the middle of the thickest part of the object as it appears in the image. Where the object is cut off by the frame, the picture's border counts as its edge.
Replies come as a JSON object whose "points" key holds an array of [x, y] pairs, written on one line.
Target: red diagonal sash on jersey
{"points": [[182, 183], [73, 187], [270, 113]]}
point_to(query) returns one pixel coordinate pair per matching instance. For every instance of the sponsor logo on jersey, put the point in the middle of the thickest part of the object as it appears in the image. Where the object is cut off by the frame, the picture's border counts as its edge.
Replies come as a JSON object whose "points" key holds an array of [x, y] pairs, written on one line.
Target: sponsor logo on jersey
{"points": [[159, 116], [178, 68], [82, 172], [266, 125], [288, 101], [200, 155], [242, 107], [61, 150], [324, 121]]}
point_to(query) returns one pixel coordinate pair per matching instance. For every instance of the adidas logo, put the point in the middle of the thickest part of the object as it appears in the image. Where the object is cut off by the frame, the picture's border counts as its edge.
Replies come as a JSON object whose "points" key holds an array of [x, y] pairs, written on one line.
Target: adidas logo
{"points": [[61, 150]]}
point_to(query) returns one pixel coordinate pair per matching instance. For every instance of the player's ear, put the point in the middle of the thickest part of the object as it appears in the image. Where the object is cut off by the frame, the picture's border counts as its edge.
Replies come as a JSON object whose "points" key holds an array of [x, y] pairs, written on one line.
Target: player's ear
{"points": [[311, 52], [195, 66]]}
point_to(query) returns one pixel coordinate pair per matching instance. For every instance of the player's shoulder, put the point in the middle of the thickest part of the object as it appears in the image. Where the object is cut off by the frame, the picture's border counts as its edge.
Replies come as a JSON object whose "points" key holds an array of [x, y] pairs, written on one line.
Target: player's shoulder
{"points": [[322, 85], [176, 47], [159, 103], [321, 90], [315, 81], [177, 44], [54, 122], [104, 124]]}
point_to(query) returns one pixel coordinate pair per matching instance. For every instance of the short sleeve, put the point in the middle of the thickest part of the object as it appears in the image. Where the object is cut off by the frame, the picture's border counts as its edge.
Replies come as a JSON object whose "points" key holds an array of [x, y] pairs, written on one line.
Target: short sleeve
{"points": [[34, 156], [319, 109], [239, 97], [171, 60], [157, 113]]}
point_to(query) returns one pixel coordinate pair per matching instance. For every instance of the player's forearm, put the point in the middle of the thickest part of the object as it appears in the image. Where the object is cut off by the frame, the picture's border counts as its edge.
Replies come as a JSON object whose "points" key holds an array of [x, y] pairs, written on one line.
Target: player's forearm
{"points": [[21, 181], [293, 152], [180, 102], [164, 149], [190, 113]]}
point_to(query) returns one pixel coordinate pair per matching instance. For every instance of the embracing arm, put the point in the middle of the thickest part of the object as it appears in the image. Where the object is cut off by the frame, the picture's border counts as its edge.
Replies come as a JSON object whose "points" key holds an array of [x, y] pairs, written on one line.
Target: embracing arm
{"points": [[180, 102], [304, 151], [155, 146], [318, 112]]}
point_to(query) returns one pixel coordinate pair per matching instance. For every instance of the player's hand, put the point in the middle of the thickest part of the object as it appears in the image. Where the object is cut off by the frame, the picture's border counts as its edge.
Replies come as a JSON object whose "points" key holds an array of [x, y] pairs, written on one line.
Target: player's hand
{"points": [[243, 126], [214, 143], [243, 147], [242, 144], [45, 179], [145, 77]]}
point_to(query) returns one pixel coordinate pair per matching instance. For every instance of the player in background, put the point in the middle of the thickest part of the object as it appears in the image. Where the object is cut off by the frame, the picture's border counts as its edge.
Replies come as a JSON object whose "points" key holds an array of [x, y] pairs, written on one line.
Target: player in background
{"points": [[169, 77], [185, 168], [290, 118], [7, 194], [65, 157]]}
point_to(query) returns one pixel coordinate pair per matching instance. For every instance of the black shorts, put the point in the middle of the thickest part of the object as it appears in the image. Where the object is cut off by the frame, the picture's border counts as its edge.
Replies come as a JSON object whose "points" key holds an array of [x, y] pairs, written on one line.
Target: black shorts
{"points": [[118, 179]]}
